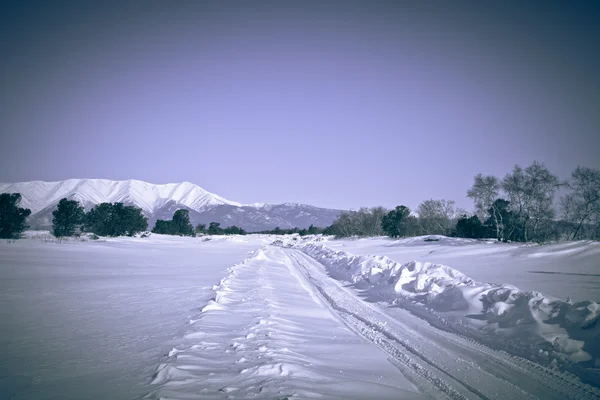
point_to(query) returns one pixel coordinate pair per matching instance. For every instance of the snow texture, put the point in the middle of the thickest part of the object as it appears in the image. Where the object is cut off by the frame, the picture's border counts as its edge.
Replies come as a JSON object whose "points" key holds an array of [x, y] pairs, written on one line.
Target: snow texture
{"points": [[536, 324]]}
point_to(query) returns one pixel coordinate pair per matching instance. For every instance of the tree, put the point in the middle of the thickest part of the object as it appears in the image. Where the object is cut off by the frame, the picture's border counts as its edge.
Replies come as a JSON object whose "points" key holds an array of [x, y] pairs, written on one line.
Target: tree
{"points": [[531, 193], [369, 221], [12, 217], [364, 222], [396, 222], [115, 219], [201, 228], [163, 227], [469, 227], [234, 230], [484, 191], [181, 223], [214, 228], [178, 225], [501, 220], [133, 220], [99, 220], [581, 206], [435, 216], [67, 216]]}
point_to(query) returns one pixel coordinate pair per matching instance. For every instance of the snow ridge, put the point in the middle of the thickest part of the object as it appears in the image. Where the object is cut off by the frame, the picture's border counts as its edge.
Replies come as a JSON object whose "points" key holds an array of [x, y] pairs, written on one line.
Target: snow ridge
{"points": [[540, 327], [38, 195]]}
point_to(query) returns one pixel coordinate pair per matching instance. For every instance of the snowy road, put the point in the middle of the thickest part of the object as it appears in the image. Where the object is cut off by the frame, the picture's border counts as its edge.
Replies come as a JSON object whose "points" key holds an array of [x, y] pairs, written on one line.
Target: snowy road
{"points": [[279, 326]]}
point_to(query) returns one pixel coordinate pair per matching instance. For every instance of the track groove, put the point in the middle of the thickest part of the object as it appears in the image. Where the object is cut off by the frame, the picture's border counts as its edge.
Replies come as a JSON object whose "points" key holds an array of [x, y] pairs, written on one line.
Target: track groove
{"points": [[442, 364]]}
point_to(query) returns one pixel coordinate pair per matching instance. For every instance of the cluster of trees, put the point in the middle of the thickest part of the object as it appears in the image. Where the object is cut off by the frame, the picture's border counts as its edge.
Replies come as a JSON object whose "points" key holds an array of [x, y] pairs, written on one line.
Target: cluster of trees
{"points": [[214, 228], [114, 219], [519, 207], [312, 230], [69, 218], [178, 225], [105, 219], [433, 217], [522, 207]]}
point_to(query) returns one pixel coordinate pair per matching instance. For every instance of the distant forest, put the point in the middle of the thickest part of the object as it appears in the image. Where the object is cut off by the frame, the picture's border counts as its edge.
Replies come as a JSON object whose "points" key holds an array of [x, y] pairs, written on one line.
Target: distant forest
{"points": [[519, 207]]}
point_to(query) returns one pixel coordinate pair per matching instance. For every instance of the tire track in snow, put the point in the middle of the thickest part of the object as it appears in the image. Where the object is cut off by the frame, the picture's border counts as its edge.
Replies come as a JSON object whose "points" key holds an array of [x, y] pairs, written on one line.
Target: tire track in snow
{"points": [[479, 378], [425, 378], [264, 337]]}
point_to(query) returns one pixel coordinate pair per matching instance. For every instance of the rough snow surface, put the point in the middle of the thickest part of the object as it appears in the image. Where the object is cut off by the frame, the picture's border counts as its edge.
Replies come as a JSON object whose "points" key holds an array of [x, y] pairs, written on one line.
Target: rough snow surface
{"points": [[537, 325], [563, 270], [267, 335]]}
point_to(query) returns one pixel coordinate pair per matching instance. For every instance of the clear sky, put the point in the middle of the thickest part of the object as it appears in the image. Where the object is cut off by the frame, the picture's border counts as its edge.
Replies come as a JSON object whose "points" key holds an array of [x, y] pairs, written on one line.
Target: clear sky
{"points": [[333, 103]]}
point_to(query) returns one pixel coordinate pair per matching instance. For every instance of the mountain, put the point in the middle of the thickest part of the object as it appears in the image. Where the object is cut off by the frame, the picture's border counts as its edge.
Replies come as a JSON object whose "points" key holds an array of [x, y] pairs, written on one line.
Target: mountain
{"points": [[161, 201]]}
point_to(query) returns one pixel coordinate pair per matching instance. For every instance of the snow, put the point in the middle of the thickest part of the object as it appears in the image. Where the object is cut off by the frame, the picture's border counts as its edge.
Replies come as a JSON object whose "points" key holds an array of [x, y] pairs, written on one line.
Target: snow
{"points": [[91, 320], [37, 195], [489, 312], [251, 317], [266, 334], [564, 270]]}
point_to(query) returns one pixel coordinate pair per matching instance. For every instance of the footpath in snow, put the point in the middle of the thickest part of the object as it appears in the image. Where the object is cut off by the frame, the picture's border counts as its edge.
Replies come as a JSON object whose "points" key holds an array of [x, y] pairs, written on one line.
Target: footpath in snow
{"points": [[527, 323]]}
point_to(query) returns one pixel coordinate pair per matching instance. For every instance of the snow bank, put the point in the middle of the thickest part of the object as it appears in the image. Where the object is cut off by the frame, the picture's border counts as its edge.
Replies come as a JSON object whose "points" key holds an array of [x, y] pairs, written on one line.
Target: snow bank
{"points": [[530, 323]]}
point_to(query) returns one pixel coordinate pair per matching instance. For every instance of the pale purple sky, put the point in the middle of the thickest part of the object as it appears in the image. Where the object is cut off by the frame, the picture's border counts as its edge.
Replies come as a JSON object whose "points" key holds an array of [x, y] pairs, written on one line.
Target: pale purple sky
{"points": [[335, 104]]}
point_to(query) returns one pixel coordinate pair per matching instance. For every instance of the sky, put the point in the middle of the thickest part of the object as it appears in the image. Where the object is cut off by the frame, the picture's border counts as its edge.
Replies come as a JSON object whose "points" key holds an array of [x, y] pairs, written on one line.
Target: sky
{"points": [[329, 103]]}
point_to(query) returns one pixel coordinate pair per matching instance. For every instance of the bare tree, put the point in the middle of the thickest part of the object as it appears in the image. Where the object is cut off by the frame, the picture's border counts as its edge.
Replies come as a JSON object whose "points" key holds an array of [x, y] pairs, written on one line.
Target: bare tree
{"points": [[435, 216], [531, 192], [582, 205], [364, 222], [371, 221], [484, 192]]}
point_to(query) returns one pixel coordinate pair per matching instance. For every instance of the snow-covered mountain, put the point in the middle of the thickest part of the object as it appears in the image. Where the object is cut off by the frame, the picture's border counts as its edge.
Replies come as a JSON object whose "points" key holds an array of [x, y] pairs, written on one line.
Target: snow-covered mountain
{"points": [[161, 201]]}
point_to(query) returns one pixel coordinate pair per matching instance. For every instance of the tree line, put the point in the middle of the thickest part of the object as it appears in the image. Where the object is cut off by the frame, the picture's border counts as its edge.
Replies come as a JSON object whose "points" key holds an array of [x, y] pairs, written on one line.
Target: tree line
{"points": [[105, 219], [519, 207]]}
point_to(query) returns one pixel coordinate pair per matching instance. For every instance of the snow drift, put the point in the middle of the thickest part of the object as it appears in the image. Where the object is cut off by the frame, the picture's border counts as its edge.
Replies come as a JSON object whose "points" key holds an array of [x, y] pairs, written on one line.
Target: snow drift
{"points": [[531, 323]]}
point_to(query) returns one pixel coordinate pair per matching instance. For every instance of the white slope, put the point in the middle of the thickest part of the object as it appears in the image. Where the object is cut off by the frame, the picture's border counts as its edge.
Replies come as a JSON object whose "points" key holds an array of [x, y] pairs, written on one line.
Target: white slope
{"points": [[37, 195]]}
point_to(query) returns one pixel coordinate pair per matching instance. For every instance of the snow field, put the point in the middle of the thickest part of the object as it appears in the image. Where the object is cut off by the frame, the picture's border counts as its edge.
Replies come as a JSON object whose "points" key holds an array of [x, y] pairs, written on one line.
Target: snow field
{"points": [[91, 320]]}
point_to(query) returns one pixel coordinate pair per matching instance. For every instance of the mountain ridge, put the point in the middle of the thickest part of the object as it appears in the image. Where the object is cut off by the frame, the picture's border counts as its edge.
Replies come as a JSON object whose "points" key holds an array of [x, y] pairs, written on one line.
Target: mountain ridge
{"points": [[158, 201]]}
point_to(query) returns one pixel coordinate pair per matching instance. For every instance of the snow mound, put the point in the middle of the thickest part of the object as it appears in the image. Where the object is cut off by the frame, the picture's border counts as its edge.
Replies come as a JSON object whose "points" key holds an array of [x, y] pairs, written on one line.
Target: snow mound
{"points": [[536, 324], [433, 239]]}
